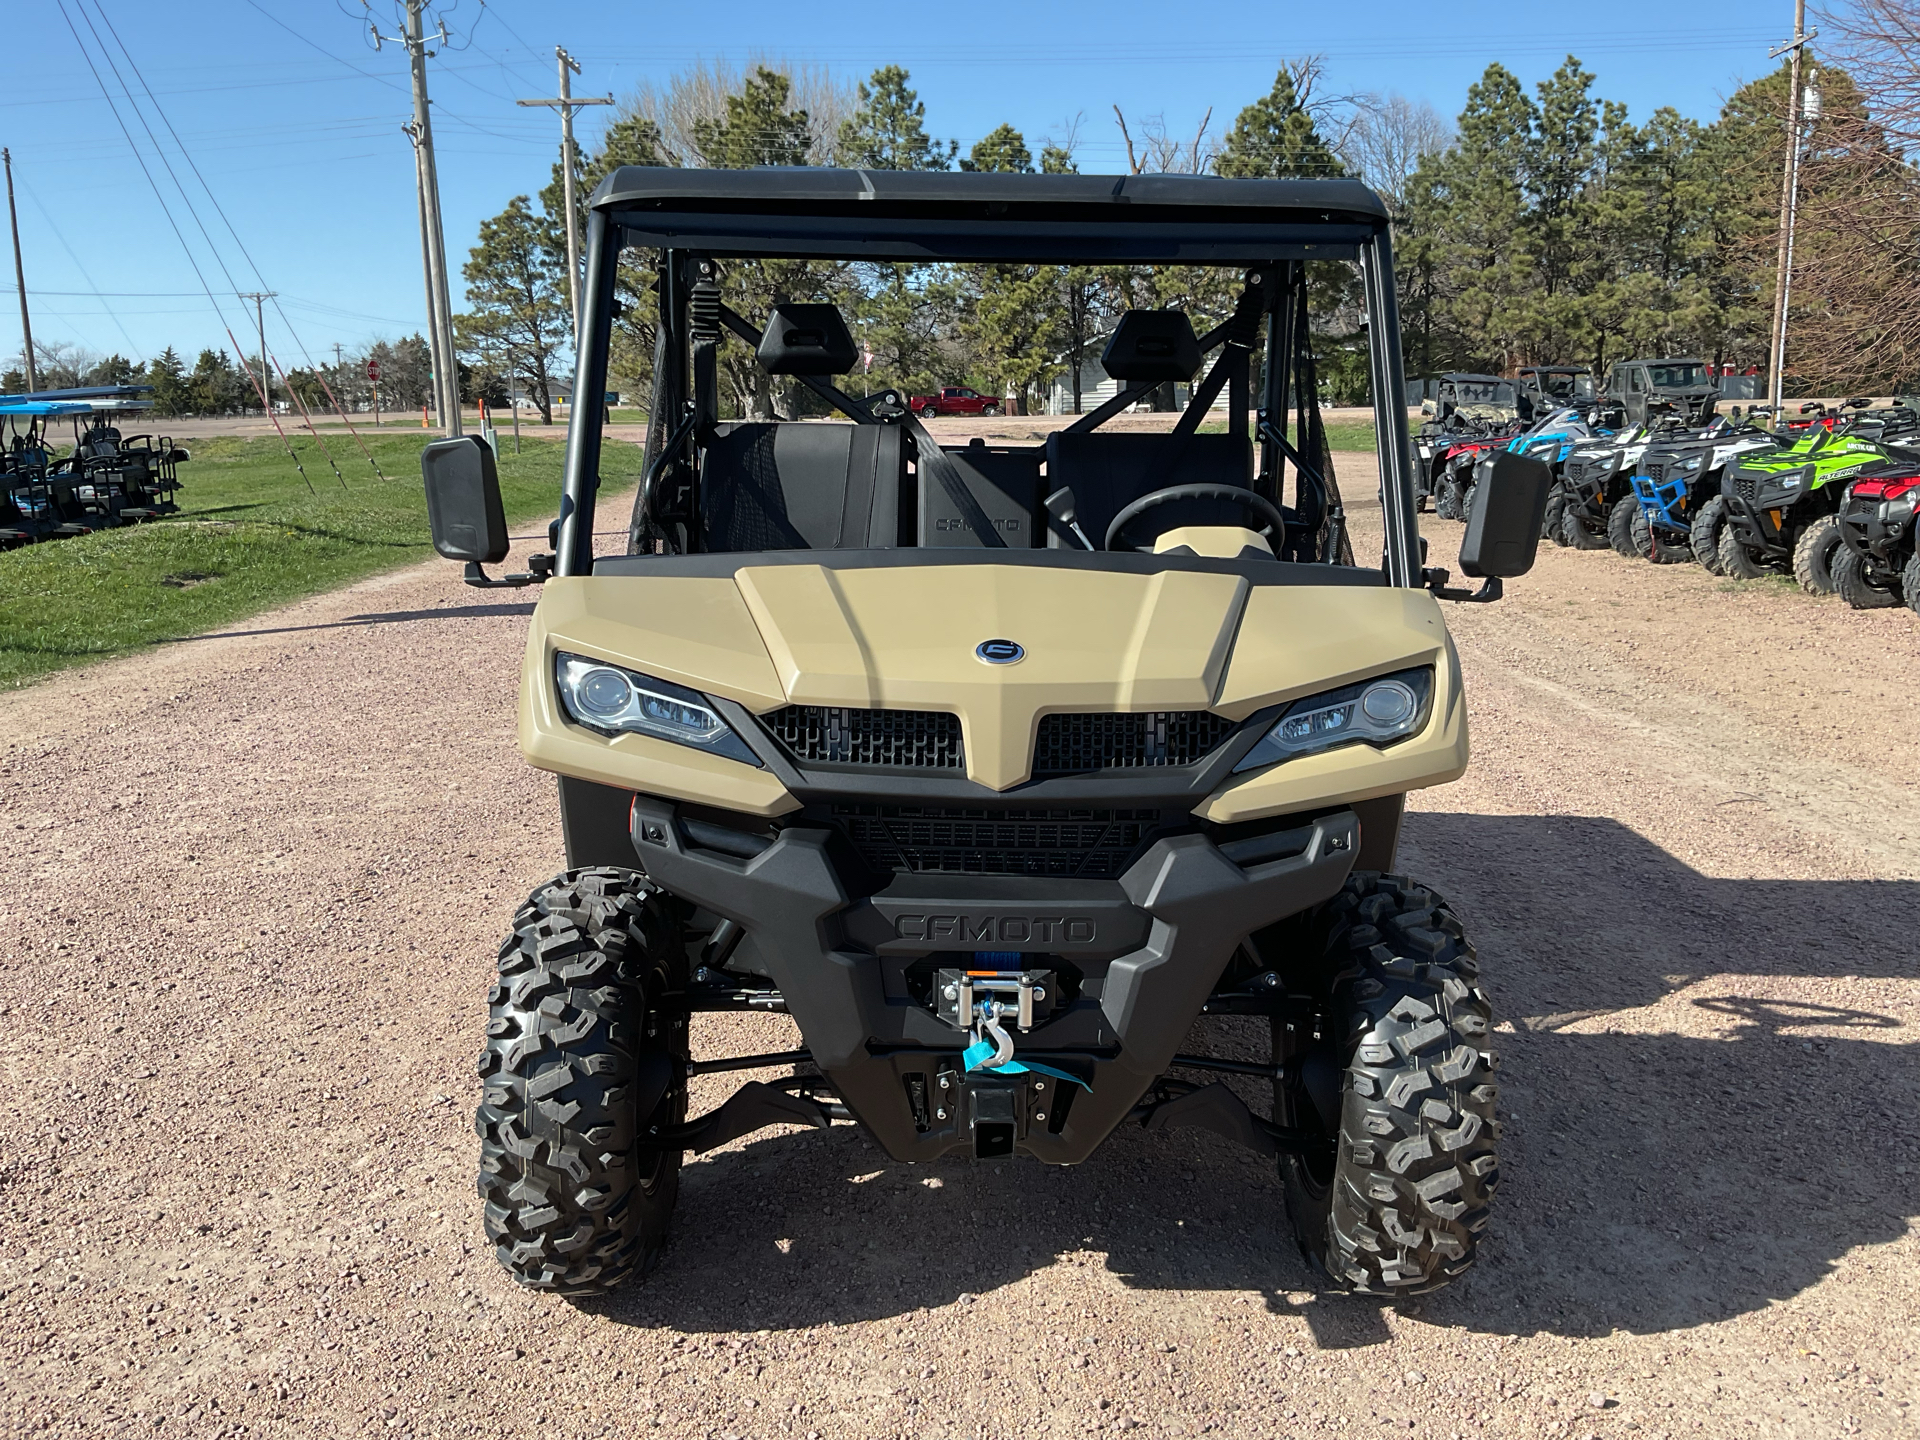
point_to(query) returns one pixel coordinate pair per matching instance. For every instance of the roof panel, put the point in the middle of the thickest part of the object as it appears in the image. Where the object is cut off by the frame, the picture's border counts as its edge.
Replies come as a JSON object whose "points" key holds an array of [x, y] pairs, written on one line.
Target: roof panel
{"points": [[960, 215]]}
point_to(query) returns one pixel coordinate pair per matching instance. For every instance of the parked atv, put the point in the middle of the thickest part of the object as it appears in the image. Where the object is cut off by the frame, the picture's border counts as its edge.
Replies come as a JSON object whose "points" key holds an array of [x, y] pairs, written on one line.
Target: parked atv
{"points": [[1549, 440], [1781, 504], [1593, 482], [1678, 512], [995, 778], [1877, 565]]}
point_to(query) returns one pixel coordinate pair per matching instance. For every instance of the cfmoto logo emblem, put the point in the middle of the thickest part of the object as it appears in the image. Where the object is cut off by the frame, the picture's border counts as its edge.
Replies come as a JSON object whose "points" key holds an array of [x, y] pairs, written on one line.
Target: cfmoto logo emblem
{"points": [[998, 652]]}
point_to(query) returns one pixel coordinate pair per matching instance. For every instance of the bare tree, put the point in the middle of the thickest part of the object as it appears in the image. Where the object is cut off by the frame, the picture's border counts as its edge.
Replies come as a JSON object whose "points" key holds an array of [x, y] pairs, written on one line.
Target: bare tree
{"points": [[1389, 137], [697, 96], [1878, 41], [1162, 152]]}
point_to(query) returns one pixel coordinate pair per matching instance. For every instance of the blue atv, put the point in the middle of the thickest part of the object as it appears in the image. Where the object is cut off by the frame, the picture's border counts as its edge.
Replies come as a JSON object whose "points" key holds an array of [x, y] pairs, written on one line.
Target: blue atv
{"points": [[1550, 439]]}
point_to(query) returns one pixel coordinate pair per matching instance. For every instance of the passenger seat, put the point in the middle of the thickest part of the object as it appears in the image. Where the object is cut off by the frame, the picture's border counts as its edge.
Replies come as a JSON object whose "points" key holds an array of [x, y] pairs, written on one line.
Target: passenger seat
{"points": [[802, 485]]}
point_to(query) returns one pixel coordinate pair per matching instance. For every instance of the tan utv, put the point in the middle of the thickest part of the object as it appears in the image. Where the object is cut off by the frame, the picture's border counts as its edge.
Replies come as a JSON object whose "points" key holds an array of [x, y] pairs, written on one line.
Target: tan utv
{"points": [[994, 766]]}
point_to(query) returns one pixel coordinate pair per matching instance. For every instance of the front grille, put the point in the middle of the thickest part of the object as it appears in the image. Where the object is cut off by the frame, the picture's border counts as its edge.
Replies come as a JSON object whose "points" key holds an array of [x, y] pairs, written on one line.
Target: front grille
{"points": [[1657, 471], [1070, 842], [1076, 743], [891, 739], [1744, 486]]}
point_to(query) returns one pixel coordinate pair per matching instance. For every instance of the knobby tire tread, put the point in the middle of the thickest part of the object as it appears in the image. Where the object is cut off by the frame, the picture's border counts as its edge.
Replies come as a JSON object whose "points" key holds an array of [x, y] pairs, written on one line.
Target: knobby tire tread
{"points": [[1705, 535], [1416, 1169], [1813, 555], [574, 1202], [1852, 583]]}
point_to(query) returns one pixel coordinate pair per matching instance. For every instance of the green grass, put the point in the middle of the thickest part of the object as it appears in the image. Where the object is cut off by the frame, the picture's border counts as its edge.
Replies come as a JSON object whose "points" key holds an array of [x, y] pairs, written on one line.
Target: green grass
{"points": [[249, 536], [1345, 435]]}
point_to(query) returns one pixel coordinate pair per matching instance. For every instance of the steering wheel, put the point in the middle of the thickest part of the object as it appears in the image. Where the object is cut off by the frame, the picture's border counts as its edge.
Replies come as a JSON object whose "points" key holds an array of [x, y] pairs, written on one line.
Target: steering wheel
{"points": [[1256, 505]]}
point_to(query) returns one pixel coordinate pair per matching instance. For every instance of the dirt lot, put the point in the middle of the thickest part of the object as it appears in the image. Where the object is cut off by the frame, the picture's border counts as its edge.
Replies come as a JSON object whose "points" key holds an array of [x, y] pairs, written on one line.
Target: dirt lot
{"points": [[256, 883]]}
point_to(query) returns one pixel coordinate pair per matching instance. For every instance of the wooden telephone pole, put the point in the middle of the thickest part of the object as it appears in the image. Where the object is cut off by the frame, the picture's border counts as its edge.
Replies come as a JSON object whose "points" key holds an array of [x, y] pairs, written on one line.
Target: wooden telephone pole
{"points": [[1789, 205], [566, 105], [20, 278], [433, 239]]}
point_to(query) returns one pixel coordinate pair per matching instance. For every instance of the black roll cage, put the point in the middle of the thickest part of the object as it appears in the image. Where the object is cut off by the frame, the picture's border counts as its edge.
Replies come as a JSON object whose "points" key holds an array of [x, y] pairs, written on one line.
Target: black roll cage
{"points": [[1272, 228]]}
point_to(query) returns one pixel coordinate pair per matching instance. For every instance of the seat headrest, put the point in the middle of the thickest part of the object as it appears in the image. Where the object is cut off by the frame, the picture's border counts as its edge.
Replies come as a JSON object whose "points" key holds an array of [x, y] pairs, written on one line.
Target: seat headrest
{"points": [[807, 340], [1152, 345]]}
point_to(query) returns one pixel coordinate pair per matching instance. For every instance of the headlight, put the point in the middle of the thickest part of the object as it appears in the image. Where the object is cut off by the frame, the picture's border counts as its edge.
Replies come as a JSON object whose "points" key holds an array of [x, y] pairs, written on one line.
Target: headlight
{"points": [[1377, 711], [1693, 464], [613, 701]]}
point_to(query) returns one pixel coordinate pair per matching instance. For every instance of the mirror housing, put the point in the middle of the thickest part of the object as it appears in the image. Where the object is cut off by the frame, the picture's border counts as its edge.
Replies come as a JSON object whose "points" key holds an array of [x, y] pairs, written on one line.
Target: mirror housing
{"points": [[463, 500], [1503, 523]]}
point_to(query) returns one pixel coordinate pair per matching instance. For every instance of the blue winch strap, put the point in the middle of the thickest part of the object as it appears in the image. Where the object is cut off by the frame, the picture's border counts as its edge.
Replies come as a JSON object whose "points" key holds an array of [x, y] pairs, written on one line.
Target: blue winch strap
{"points": [[976, 1054]]}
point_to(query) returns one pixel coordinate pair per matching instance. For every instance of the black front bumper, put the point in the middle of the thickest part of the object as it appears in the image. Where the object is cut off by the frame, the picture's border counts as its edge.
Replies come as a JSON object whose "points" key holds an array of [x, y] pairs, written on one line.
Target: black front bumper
{"points": [[1143, 950], [1866, 528]]}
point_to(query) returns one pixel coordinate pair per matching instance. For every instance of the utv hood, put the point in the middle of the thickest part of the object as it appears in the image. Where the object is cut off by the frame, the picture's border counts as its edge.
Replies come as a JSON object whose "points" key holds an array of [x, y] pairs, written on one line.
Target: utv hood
{"points": [[906, 636]]}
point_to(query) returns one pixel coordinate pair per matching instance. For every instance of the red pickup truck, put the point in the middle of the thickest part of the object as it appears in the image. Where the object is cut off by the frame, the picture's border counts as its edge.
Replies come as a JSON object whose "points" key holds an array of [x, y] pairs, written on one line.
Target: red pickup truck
{"points": [[954, 400]]}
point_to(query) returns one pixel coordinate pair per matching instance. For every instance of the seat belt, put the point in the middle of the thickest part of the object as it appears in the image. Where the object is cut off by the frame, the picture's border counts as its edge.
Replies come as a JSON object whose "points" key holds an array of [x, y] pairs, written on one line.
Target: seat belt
{"points": [[933, 458]]}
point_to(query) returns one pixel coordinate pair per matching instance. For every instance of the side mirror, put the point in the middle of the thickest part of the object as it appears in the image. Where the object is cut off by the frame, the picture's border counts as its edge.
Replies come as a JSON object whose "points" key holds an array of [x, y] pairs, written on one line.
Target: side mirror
{"points": [[1503, 522], [463, 500]]}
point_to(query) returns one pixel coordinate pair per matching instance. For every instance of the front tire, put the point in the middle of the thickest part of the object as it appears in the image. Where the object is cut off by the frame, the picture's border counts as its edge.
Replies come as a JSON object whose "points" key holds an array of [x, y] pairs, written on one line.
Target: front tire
{"points": [[1396, 1202], [927, 412], [1813, 555], [1447, 498], [991, 412], [1853, 583], [579, 1064], [1620, 527], [1650, 544], [1910, 583], [1736, 561], [1553, 523], [1705, 536]]}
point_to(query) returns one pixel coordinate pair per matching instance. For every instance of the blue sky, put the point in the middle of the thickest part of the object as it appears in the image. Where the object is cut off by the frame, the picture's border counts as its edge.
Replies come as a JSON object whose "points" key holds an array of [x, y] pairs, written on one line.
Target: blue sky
{"points": [[293, 119]]}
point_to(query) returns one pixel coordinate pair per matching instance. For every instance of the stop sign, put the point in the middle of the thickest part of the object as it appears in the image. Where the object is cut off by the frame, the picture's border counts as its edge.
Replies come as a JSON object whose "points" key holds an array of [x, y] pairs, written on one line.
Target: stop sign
{"points": [[373, 369]]}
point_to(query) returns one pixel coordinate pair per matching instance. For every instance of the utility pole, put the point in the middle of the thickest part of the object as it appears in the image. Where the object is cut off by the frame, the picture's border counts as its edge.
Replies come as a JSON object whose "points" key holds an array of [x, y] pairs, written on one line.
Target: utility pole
{"points": [[20, 277], [1789, 196], [259, 299], [566, 105], [446, 369]]}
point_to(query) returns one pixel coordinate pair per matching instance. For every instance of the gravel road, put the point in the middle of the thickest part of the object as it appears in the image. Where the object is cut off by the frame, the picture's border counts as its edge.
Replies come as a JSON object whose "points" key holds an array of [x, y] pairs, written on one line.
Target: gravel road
{"points": [[258, 878]]}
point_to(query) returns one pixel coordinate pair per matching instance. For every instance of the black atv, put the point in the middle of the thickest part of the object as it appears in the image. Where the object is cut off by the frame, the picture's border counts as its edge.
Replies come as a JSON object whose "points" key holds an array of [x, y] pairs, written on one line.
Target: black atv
{"points": [[1677, 511], [1877, 566], [1593, 483]]}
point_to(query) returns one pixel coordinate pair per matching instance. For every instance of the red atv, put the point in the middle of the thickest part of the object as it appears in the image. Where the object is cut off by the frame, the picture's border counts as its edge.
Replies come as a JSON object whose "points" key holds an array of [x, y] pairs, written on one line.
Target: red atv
{"points": [[1877, 567], [954, 400]]}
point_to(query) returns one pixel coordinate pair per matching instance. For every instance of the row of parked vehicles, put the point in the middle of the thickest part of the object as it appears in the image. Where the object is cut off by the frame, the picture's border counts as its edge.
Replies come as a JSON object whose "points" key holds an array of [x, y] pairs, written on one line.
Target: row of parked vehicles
{"points": [[107, 478], [1648, 467]]}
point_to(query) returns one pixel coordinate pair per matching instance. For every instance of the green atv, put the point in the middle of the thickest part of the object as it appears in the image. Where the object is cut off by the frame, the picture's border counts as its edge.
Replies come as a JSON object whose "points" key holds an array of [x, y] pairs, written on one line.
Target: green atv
{"points": [[1781, 507]]}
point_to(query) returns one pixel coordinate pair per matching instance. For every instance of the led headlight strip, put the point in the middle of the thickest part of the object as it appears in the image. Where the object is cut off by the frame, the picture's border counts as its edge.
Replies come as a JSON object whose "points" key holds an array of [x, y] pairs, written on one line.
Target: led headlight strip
{"points": [[613, 701], [1377, 712]]}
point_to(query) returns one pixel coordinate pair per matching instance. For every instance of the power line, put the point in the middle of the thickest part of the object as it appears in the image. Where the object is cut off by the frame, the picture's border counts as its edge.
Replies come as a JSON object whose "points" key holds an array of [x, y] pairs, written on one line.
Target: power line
{"points": [[107, 95]]}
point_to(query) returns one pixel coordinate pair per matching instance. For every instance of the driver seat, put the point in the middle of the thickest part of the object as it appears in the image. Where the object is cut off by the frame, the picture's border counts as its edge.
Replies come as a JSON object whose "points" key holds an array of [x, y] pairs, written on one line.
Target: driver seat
{"points": [[1109, 471]]}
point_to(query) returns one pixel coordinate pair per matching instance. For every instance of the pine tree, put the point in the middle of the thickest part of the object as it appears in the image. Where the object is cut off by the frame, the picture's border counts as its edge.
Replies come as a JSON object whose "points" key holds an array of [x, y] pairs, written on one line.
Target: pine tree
{"points": [[759, 129], [1276, 137], [1002, 150], [518, 321], [171, 394], [888, 131]]}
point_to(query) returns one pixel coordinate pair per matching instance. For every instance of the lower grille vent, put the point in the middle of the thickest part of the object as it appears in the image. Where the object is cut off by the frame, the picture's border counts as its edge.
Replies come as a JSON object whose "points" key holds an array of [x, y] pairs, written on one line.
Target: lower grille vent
{"points": [[891, 739], [1068, 841], [1076, 743]]}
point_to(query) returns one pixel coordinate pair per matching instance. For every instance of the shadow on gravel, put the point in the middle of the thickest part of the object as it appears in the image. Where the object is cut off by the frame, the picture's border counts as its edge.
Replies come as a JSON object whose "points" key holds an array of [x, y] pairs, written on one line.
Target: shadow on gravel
{"points": [[1652, 1180], [360, 622]]}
